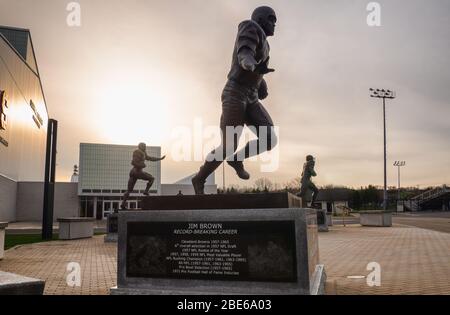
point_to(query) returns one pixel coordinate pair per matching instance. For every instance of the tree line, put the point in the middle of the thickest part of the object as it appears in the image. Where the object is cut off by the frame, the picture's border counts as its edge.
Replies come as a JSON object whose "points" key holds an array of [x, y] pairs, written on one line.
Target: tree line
{"points": [[367, 197]]}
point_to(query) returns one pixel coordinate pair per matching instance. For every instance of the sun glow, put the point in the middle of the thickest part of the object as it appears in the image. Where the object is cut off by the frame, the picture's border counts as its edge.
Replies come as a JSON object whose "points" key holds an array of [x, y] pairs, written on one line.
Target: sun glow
{"points": [[132, 110]]}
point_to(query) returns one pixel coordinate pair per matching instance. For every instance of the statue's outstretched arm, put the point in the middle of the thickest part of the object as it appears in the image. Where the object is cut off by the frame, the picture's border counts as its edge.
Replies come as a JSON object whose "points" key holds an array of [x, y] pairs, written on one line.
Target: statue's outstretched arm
{"points": [[154, 159]]}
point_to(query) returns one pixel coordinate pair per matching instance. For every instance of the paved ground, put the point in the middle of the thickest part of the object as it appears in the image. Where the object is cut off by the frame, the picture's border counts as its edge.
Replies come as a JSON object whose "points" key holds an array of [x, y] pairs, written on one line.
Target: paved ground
{"points": [[436, 221], [413, 261], [48, 261]]}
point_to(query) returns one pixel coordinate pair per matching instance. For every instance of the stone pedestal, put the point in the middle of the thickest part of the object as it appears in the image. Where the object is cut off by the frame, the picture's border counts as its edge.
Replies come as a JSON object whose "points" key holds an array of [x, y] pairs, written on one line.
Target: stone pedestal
{"points": [[376, 218], [330, 219], [216, 251], [322, 221], [112, 228], [75, 228], [3, 226], [228, 201], [12, 284]]}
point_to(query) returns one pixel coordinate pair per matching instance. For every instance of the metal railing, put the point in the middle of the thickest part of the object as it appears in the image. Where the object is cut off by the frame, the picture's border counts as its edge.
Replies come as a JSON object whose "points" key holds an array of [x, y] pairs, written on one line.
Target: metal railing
{"points": [[431, 194], [415, 202], [412, 205]]}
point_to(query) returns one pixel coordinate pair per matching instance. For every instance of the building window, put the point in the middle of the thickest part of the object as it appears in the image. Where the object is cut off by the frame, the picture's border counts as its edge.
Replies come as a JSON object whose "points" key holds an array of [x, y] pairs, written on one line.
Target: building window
{"points": [[82, 208], [90, 208]]}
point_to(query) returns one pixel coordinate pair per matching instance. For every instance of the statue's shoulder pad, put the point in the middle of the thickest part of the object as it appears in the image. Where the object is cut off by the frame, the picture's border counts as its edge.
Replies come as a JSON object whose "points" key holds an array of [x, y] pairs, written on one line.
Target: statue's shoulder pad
{"points": [[251, 25]]}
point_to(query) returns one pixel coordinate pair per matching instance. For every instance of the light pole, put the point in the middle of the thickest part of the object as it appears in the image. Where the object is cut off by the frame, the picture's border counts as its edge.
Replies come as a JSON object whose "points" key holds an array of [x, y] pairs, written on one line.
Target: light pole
{"points": [[384, 94], [399, 164], [223, 176]]}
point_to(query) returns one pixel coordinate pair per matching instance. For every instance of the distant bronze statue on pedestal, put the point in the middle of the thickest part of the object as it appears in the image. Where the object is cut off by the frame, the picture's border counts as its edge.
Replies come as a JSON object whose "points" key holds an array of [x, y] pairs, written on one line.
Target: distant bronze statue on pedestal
{"points": [[138, 162], [306, 183]]}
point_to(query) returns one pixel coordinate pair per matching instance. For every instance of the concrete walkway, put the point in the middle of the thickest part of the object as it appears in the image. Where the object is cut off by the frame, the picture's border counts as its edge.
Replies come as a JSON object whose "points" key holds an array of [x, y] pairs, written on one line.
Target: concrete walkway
{"points": [[36, 227], [437, 221], [412, 260], [48, 261]]}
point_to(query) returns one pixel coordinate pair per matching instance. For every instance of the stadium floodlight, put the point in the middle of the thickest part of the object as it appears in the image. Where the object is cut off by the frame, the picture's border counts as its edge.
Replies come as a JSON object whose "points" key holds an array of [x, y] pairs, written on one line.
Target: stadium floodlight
{"points": [[399, 164], [384, 94]]}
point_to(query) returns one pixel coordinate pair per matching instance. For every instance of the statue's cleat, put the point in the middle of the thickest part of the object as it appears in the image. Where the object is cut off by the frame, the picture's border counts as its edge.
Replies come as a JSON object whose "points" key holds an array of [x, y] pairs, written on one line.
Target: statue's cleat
{"points": [[239, 168], [146, 193], [199, 185]]}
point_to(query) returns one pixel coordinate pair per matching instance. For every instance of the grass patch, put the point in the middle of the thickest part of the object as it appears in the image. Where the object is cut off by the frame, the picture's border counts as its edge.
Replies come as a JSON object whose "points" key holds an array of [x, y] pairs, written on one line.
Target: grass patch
{"points": [[14, 240]]}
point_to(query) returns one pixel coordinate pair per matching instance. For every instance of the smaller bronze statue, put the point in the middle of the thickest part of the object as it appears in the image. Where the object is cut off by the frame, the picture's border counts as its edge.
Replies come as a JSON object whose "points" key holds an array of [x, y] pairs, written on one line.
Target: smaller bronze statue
{"points": [[138, 162], [307, 184]]}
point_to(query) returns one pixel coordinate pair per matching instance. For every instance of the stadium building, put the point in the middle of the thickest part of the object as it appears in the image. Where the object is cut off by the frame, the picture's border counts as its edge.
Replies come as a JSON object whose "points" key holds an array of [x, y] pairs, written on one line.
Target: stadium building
{"points": [[23, 122]]}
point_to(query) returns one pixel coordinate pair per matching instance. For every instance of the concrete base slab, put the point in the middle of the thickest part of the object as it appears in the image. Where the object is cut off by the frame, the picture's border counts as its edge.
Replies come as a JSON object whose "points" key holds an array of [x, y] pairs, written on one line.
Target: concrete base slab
{"points": [[75, 228], [376, 218], [317, 288], [318, 281], [12, 284]]}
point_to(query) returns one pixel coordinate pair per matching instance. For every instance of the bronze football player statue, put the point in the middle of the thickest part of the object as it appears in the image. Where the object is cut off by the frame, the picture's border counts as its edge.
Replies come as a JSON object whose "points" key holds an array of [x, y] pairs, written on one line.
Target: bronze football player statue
{"points": [[307, 184], [241, 95], [137, 172]]}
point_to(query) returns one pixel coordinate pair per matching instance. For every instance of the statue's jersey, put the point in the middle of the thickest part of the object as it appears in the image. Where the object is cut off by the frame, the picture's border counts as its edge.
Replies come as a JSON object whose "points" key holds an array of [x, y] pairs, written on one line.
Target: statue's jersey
{"points": [[308, 171], [251, 36], [138, 159]]}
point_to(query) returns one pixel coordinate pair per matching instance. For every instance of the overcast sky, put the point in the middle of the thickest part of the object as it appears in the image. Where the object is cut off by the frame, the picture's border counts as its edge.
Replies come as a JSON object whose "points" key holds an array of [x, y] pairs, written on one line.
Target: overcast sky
{"points": [[135, 70]]}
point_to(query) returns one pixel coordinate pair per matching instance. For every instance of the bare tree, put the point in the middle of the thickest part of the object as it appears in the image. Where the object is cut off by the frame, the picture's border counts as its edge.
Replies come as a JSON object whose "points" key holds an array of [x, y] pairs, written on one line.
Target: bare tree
{"points": [[264, 184], [293, 184]]}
